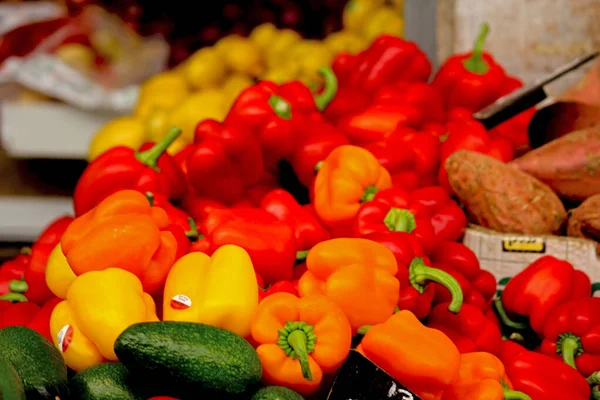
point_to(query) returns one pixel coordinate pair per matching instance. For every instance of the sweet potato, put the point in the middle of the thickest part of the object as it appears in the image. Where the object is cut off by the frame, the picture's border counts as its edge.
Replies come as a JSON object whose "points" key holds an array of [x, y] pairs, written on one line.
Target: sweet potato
{"points": [[570, 165], [584, 221], [503, 198]]}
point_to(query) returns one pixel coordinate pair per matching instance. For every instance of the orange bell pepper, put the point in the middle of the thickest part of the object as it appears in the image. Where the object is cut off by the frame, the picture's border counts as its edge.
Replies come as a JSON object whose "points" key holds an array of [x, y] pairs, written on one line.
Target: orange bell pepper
{"points": [[125, 232], [356, 274], [482, 377], [299, 340], [422, 359], [349, 176]]}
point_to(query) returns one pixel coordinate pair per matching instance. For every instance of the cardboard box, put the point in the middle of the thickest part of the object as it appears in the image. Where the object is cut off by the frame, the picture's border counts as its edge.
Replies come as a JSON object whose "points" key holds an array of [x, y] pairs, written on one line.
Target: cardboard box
{"points": [[506, 254]]}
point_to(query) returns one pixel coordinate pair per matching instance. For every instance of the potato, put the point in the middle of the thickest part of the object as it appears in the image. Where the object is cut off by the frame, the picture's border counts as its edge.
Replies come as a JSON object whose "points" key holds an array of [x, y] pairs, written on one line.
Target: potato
{"points": [[584, 221]]}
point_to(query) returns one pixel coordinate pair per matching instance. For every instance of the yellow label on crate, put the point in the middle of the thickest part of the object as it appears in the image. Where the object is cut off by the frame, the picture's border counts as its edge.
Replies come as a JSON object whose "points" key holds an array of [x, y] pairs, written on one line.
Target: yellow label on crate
{"points": [[531, 245]]}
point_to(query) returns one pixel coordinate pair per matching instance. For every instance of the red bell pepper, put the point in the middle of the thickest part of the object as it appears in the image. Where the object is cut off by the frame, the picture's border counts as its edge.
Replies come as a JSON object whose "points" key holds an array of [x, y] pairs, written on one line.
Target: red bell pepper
{"points": [[269, 242], [414, 273], [302, 99], [422, 95], [264, 112], [545, 378], [28, 314], [343, 67], [307, 229], [198, 207], [255, 194], [478, 285], [427, 213], [14, 269], [147, 170], [572, 333], [348, 101], [509, 350], [35, 274], [472, 80], [277, 287], [224, 162], [470, 329], [389, 59], [545, 284]]}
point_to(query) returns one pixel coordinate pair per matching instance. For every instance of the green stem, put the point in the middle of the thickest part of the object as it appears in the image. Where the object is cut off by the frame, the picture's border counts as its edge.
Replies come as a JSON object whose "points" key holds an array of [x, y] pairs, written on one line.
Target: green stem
{"points": [[297, 340], [363, 330], [594, 379], [192, 234], [18, 286], [369, 193], [419, 273], [318, 166], [150, 198], [301, 255], [281, 107], [400, 220], [596, 393], [14, 297], [514, 395], [595, 288], [476, 63], [504, 317], [150, 157], [569, 346], [329, 89]]}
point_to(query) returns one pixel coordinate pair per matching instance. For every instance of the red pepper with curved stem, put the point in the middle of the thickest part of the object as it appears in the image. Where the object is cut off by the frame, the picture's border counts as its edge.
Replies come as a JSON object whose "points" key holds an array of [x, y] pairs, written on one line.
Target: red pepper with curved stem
{"points": [[472, 80], [509, 350], [470, 329], [14, 269], [120, 168], [308, 230], [478, 285], [414, 273], [545, 284], [269, 242], [422, 95], [225, 161], [303, 100], [389, 59], [543, 377], [572, 334]]}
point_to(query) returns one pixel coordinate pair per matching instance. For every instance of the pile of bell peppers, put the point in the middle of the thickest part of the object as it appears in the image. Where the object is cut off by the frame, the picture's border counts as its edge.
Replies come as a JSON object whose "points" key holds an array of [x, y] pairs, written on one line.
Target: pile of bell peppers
{"points": [[371, 258]]}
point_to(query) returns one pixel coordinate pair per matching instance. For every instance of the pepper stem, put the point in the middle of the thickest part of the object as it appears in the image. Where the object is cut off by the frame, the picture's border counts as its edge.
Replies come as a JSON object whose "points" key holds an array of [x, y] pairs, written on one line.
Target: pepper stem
{"points": [[26, 251], [400, 220], [18, 286], [596, 393], [369, 193], [297, 340], [192, 234], [363, 330], [594, 379], [301, 255], [476, 63], [499, 307], [569, 346], [595, 288], [318, 166], [150, 198], [281, 107], [150, 157], [329, 89], [419, 273], [514, 395]]}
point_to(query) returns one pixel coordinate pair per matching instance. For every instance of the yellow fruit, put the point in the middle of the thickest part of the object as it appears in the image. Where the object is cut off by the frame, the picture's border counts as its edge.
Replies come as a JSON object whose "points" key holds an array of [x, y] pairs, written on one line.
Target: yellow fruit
{"points": [[263, 35], [163, 91], [356, 11], [279, 48], [177, 146], [284, 73], [124, 131], [383, 21], [233, 86], [157, 124], [197, 107], [243, 56], [205, 68], [77, 56], [345, 42], [310, 60]]}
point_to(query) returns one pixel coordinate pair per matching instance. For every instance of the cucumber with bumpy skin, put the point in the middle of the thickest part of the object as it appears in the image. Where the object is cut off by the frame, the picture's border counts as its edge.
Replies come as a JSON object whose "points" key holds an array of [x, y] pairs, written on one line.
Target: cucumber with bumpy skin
{"points": [[276, 393], [108, 381]]}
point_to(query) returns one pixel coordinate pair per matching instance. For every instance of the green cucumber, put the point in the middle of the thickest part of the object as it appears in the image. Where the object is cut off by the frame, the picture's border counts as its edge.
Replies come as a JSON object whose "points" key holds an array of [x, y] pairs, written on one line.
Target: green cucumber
{"points": [[39, 364], [107, 381], [276, 393], [190, 360], [11, 385]]}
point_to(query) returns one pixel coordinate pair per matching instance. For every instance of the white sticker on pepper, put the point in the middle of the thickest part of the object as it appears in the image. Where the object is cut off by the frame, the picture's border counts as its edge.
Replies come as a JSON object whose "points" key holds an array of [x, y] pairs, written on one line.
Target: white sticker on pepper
{"points": [[64, 337], [181, 302]]}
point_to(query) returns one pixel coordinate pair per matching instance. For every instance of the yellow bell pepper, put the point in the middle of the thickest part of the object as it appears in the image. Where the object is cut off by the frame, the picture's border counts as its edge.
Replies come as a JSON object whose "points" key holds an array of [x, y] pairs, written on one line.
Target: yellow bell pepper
{"points": [[220, 290], [123, 131], [345, 41], [163, 91], [384, 20], [202, 105], [263, 35], [205, 68], [241, 55], [99, 306], [356, 12], [59, 275]]}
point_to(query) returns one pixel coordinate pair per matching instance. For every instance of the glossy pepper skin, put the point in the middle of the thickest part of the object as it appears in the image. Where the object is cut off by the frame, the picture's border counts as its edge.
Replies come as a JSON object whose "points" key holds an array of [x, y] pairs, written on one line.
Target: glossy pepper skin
{"points": [[349, 271], [423, 359], [28, 314], [13, 269], [307, 229], [59, 274], [35, 274], [572, 333], [472, 80], [269, 242], [482, 377], [469, 329], [545, 284], [299, 340], [543, 377], [218, 290], [100, 305], [478, 285], [123, 231], [120, 168], [427, 213], [224, 162], [348, 177], [422, 95], [277, 287]]}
